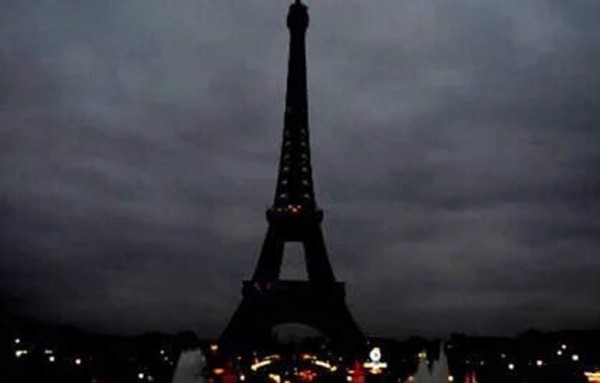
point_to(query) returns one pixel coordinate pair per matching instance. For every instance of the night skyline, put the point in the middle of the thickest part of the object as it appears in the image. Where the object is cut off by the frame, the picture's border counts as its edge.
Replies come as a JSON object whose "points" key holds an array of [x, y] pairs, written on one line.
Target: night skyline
{"points": [[454, 154]]}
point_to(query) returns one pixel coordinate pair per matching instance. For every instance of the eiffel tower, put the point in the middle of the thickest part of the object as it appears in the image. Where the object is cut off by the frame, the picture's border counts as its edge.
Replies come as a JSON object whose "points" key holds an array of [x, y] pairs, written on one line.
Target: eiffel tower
{"points": [[294, 216]]}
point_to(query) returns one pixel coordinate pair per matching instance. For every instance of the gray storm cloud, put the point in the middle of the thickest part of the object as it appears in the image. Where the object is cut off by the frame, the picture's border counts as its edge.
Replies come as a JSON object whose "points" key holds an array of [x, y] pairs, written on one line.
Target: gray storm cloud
{"points": [[455, 154]]}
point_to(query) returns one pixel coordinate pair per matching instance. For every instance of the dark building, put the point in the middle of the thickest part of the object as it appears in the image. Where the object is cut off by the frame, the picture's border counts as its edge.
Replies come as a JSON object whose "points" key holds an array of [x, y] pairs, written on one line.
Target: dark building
{"points": [[294, 216]]}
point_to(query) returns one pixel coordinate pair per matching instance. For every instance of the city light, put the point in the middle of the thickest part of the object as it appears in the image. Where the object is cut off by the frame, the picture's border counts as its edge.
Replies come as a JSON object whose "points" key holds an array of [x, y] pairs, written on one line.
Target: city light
{"points": [[326, 365], [214, 347], [317, 366], [375, 354], [592, 377], [375, 364], [17, 340], [260, 364], [307, 375]]}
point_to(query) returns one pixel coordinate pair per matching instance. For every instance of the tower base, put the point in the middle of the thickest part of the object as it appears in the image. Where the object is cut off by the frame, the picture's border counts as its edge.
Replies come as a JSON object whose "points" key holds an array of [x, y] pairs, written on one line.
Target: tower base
{"points": [[266, 305]]}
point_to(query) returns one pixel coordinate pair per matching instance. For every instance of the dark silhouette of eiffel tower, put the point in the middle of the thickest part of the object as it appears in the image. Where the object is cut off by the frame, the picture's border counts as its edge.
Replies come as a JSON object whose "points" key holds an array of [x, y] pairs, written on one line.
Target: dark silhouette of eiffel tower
{"points": [[294, 217]]}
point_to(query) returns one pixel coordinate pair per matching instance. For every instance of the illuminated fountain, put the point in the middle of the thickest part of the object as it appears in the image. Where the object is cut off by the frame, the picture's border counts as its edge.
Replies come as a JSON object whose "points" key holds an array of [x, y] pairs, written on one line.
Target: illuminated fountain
{"points": [[423, 375], [436, 373], [440, 371], [189, 367]]}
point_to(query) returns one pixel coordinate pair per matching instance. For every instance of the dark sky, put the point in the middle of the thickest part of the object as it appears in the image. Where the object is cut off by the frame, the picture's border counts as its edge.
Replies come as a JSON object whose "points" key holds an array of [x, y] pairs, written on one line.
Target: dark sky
{"points": [[455, 149]]}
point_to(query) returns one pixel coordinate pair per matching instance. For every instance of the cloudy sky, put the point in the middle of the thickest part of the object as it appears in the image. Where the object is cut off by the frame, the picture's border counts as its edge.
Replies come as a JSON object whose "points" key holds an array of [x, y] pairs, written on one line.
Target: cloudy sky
{"points": [[455, 150]]}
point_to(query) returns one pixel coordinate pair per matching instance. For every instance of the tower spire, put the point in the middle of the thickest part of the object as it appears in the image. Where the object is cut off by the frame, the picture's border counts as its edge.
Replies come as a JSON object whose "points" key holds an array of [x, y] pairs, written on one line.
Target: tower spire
{"points": [[294, 190]]}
